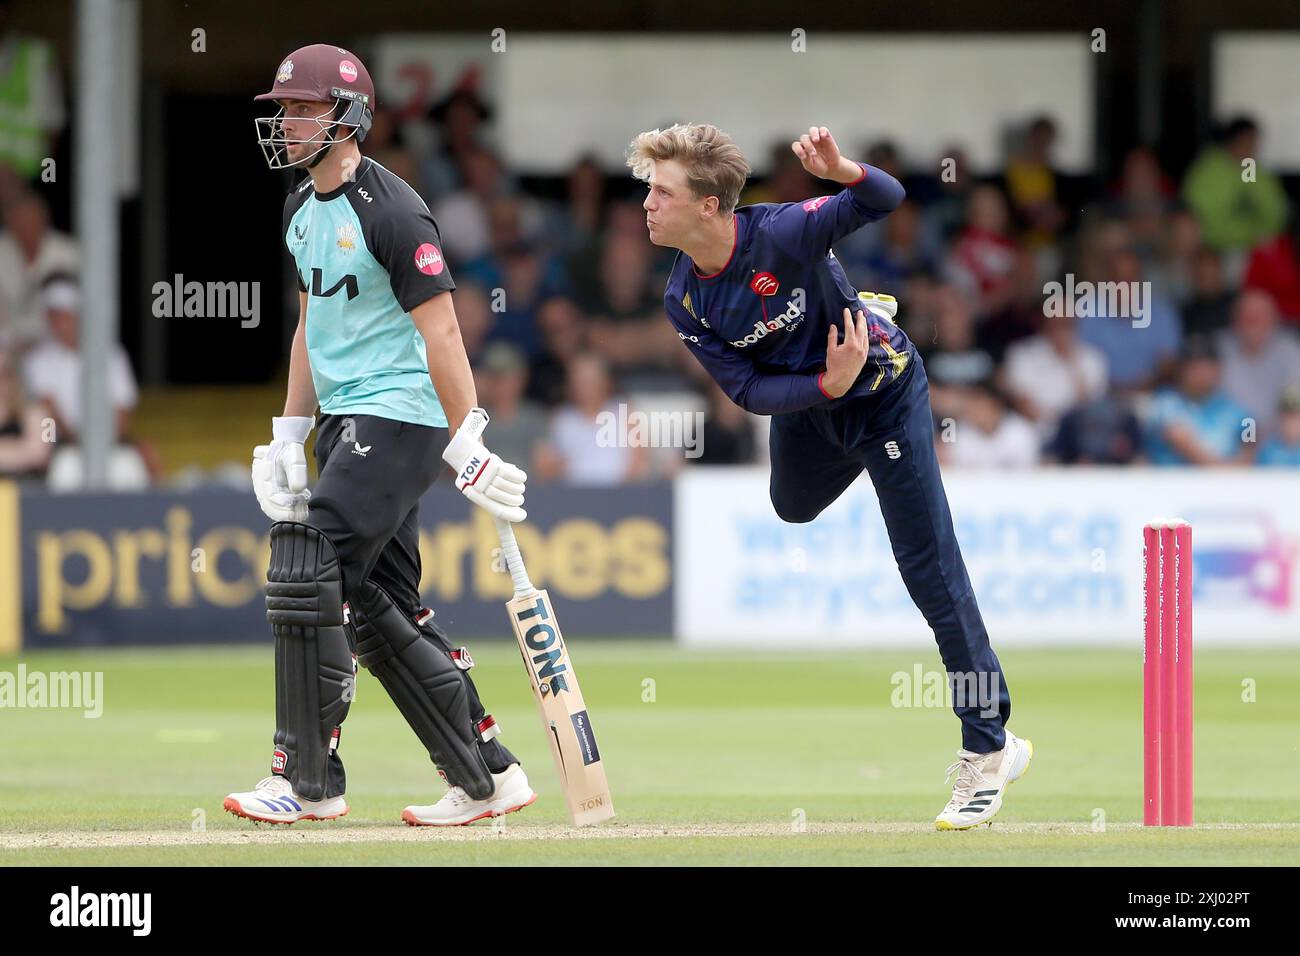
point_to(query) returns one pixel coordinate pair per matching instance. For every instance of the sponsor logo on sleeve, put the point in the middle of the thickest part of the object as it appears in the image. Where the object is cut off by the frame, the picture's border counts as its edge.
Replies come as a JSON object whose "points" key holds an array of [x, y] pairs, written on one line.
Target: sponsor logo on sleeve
{"points": [[812, 205], [428, 259]]}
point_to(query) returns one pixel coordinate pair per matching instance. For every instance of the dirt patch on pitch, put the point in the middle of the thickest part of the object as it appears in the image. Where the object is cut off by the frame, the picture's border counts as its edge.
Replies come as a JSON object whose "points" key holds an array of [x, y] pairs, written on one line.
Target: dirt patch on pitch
{"points": [[342, 833]]}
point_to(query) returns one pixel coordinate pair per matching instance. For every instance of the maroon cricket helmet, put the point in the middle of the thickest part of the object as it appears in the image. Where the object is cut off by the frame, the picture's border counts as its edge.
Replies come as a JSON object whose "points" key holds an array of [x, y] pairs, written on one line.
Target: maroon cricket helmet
{"points": [[321, 73]]}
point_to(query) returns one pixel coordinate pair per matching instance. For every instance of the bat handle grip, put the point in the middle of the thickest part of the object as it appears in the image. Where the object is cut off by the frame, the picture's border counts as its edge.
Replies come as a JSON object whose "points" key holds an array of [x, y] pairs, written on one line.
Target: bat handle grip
{"points": [[514, 561]]}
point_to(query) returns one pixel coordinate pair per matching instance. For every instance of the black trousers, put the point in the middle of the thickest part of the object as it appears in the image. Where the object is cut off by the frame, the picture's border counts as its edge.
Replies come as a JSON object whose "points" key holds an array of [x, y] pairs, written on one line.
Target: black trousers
{"points": [[372, 474]]}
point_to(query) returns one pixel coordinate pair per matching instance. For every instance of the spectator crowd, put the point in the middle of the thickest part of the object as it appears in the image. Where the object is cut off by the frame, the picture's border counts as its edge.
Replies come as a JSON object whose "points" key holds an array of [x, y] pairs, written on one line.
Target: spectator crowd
{"points": [[41, 377], [1196, 362], [559, 295]]}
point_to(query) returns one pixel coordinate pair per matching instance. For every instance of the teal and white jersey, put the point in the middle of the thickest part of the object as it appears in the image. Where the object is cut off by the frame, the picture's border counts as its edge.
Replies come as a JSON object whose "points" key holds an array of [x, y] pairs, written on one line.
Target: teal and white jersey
{"points": [[367, 254]]}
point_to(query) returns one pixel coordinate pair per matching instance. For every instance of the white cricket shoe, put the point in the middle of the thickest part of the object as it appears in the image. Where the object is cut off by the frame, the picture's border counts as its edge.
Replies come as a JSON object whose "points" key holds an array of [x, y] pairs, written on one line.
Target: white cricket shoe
{"points": [[981, 781], [457, 808], [273, 801]]}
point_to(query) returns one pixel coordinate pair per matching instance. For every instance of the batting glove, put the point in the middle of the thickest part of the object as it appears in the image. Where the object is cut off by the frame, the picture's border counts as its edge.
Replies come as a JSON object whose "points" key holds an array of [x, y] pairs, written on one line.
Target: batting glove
{"points": [[494, 485], [280, 470]]}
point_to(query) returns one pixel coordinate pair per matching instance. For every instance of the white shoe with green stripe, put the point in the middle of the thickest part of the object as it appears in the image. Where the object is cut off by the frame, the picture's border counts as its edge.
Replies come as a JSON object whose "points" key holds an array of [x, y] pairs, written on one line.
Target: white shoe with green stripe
{"points": [[981, 781]]}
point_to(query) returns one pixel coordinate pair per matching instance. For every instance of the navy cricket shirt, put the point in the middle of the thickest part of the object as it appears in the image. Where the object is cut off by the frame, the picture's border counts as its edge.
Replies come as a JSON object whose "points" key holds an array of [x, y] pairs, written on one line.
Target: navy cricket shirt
{"points": [[759, 325]]}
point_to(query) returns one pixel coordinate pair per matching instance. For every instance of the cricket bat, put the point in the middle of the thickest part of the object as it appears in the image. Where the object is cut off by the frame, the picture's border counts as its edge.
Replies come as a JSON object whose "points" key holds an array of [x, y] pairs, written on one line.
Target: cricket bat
{"points": [[555, 686], [559, 698]]}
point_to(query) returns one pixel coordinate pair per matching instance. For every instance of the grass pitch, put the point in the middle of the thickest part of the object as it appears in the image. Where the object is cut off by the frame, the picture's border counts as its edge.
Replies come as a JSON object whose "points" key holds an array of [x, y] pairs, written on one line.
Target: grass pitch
{"points": [[713, 759]]}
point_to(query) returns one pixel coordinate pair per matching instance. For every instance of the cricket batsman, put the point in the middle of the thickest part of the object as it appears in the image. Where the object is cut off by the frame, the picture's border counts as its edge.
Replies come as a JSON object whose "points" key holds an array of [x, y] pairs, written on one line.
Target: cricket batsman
{"points": [[756, 294], [378, 349]]}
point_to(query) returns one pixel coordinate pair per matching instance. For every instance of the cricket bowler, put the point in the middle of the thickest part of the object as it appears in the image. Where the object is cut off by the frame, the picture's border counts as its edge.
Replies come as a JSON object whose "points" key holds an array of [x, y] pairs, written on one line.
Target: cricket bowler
{"points": [[378, 349], [756, 294]]}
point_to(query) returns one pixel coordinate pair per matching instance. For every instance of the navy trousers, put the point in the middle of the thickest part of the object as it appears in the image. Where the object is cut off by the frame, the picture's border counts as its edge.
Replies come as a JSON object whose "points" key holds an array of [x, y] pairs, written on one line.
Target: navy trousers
{"points": [[818, 452]]}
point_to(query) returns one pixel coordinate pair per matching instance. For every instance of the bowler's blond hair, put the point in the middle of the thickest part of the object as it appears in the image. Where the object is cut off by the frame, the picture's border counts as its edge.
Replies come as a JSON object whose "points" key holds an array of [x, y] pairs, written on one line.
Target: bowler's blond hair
{"points": [[714, 164]]}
